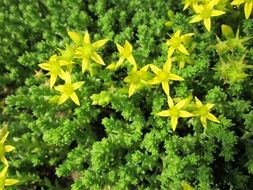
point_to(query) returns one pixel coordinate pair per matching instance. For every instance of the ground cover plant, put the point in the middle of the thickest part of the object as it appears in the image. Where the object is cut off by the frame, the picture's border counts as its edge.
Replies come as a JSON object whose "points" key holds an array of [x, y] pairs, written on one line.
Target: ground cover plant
{"points": [[139, 94]]}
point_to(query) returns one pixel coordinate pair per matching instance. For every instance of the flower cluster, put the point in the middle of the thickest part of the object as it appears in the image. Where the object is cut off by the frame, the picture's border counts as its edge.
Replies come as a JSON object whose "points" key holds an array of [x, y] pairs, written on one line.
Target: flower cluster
{"points": [[204, 11], [83, 52], [4, 181], [232, 66]]}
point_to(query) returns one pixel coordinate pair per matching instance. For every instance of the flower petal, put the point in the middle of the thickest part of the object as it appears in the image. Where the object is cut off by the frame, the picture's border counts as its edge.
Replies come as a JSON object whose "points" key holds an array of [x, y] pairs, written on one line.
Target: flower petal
{"points": [[154, 68], [167, 65], [59, 88], [45, 66], [131, 60], [3, 173], [203, 121], [8, 148], [75, 37], [198, 102], [217, 13], [145, 68], [164, 113], [174, 121], [237, 2], [67, 77], [75, 99], [166, 88], [196, 18], [100, 43], [182, 49], [85, 64], [52, 80], [207, 23], [248, 9], [120, 49], [86, 38], [185, 114], [95, 57], [63, 98], [212, 118], [4, 137], [120, 62], [155, 80], [4, 161], [132, 89], [170, 101], [181, 103], [170, 52], [128, 47], [209, 106], [78, 85], [8, 182], [175, 77]]}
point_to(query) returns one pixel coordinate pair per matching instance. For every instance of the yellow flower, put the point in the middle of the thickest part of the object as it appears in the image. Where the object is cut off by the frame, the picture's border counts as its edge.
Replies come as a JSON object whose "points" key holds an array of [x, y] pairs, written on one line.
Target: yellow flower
{"points": [[188, 3], [126, 53], [54, 68], [68, 90], [4, 148], [6, 182], [174, 112], [186, 186], [137, 79], [205, 12], [67, 56], [164, 76], [176, 43], [203, 111], [247, 7], [87, 51]]}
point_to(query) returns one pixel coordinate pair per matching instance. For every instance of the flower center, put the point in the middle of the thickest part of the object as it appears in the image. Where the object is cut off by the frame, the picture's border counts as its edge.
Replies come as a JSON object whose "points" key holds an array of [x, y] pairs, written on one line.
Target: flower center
{"points": [[87, 51], [174, 111], [163, 76], [206, 13], [175, 42], [55, 67], [203, 111], [68, 89]]}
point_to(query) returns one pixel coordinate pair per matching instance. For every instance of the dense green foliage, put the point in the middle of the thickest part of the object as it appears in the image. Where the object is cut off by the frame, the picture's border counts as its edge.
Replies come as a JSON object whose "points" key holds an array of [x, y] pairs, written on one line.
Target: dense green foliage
{"points": [[112, 141]]}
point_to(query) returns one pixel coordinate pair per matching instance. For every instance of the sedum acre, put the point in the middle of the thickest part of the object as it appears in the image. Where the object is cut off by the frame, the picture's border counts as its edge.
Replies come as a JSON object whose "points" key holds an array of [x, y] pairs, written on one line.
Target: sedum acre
{"points": [[68, 89], [176, 43], [175, 111], [114, 139], [205, 12], [87, 50], [203, 111], [164, 76], [4, 181]]}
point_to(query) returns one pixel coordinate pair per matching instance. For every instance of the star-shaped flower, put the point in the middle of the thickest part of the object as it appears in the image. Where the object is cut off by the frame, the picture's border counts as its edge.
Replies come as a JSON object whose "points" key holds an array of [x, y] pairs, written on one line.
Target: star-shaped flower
{"points": [[137, 79], [4, 148], [203, 111], [175, 111], [68, 90], [54, 68], [188, 3], [205, 12], [164, 76], [126, 54], [4, 181], [247, 7], [87, 50], [176, 43]]}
